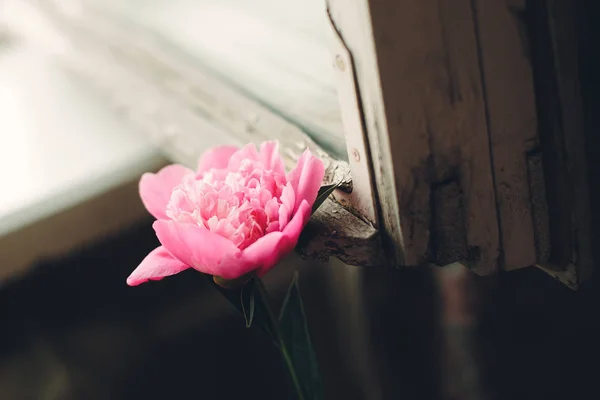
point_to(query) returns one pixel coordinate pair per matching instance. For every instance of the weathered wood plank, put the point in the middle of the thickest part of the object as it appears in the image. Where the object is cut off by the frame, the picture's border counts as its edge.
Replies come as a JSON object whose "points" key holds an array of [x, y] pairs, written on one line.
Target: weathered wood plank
{"points": [[563, 16], [272, 50], [463, 131], [334, 231], [351, 19], [419, 79], [512, 121], [187, 110], [362, 197], [554, 28], [127, 64]]}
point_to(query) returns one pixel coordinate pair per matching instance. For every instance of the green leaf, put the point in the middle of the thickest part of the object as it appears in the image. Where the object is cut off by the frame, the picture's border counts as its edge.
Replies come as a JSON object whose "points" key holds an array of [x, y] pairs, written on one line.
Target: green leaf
{"points": [[324, 193], [294, 329], [247, 301]]}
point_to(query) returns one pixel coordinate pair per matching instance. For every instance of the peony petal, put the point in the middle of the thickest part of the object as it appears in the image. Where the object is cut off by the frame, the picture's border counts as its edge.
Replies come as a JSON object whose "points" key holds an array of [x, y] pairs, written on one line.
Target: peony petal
{"points": [[157, 265], [306, 178], [217, 157], [288, 200], [155, 189], [201, 249], [248, 152], [270, 157], [271, 248]]}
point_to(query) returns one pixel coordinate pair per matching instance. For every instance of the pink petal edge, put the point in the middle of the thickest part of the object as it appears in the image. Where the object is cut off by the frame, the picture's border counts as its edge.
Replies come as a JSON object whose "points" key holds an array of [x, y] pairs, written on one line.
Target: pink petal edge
{"points": [[201, 249], [270, 157], [158, 264], [267, 251], [288, 200], [306, 178], [155, 189], [248, 152], [217, 157]]}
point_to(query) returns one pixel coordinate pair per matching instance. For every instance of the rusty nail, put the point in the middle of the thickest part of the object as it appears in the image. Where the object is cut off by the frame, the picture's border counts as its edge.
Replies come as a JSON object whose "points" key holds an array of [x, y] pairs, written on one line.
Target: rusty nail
{"points": [[356, 155]]}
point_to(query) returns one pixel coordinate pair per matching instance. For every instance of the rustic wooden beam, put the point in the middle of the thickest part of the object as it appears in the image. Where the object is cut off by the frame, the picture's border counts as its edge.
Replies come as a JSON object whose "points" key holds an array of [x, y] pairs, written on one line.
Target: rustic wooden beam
{"points": [[419, 78], [335, 231], [512, 126], [554, 28]]}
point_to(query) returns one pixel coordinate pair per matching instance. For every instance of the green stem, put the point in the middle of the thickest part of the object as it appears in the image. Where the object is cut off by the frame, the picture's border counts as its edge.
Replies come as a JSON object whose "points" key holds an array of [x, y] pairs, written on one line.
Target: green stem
{"points": [[279, 338]]}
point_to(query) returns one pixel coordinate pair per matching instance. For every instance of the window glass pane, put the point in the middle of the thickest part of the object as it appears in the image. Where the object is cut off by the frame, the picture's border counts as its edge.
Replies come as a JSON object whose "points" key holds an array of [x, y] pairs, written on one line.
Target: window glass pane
{"points": [[277, 51]]}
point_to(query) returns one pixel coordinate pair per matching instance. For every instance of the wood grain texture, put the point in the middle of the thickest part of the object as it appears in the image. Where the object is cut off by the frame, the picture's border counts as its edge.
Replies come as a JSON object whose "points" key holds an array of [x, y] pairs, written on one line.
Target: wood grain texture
{"points": [[362, 197], [419, 79], [184, 108], [563, 16], [512, 121], [333, 231], [352, 21], [275, 51], [554, 28]]}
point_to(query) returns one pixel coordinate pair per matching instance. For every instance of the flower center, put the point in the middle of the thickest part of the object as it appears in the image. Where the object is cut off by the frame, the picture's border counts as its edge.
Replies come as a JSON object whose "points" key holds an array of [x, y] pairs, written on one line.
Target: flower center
{"points": [[240, 205]]}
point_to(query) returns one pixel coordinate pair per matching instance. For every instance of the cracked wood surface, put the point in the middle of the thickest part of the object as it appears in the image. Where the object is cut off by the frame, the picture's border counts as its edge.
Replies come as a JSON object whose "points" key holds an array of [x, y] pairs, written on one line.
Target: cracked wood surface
{"points": [[418, 73]]}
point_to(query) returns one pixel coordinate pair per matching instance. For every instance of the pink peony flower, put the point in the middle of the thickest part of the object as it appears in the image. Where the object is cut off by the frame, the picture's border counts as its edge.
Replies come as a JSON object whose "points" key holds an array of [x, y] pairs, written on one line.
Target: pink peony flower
{"points": [[238, 213]]}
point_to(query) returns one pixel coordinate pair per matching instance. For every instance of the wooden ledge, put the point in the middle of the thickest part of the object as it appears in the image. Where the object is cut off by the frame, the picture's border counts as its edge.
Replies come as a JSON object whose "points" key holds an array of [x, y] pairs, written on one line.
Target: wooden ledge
{"points": [[335, 231]]}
